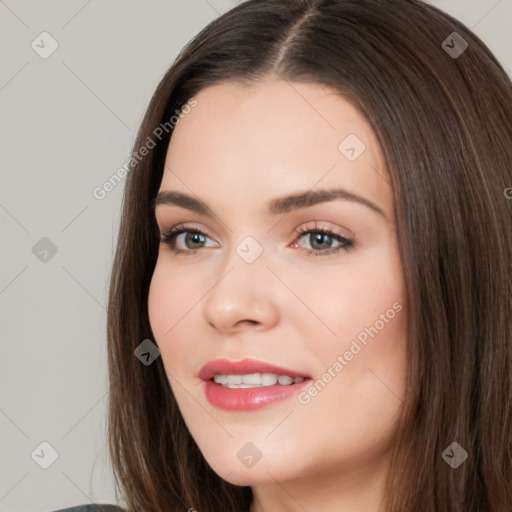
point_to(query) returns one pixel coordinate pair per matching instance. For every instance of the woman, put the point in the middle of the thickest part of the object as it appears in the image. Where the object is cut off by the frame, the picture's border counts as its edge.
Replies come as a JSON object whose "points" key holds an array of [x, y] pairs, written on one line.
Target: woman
{"points": [[249, 374]]}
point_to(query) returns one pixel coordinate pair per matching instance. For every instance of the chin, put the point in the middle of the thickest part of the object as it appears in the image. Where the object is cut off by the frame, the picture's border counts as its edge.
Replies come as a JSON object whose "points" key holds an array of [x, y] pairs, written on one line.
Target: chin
{"points": [[264, 471]]}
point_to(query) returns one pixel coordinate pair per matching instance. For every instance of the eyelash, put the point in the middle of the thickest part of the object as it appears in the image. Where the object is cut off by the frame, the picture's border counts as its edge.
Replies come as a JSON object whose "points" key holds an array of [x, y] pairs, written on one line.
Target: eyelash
{"points": [[169, 238]]}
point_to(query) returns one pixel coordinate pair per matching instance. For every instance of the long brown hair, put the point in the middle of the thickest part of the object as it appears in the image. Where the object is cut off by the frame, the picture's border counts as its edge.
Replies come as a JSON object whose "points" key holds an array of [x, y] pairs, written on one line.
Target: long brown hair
{"points": [[444, 123]]}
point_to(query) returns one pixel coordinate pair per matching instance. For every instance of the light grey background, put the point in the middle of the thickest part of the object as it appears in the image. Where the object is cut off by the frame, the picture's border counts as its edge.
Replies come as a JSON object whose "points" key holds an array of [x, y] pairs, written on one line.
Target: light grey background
{"points": [[67, 124]]}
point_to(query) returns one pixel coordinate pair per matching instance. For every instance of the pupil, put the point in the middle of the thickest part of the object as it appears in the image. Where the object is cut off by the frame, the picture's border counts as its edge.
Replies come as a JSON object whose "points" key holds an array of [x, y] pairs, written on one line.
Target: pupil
{"points": [[195, 237], [321, 237]]}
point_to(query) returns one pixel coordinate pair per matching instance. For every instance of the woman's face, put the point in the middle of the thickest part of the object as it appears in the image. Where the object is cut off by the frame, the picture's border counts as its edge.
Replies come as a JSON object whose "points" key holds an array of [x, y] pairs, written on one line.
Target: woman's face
{"points": [[312, 285]]}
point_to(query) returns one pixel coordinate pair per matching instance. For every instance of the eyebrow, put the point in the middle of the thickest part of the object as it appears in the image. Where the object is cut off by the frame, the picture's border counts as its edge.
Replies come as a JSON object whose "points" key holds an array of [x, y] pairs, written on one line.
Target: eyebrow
{"points": [[281, 205]]}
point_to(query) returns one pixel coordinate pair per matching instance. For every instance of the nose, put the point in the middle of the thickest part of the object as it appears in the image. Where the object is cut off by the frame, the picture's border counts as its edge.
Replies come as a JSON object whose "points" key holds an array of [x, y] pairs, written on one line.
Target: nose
{"points": [[242, 297]]}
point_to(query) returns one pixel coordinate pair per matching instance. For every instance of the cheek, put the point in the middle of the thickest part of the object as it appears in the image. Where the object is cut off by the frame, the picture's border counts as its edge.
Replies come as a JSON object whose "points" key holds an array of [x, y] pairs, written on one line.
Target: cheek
{"points": [[171, 294], [173, 307], [372, 340], [166, 305], [353, 299], [157, 304], [365, 310]]}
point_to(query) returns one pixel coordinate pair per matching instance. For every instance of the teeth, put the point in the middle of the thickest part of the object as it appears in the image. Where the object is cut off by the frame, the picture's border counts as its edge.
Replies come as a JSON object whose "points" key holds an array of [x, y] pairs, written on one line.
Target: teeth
{"points": [[284, 379], [253, 380], [268, 379], [234, 379], [221, 379]]}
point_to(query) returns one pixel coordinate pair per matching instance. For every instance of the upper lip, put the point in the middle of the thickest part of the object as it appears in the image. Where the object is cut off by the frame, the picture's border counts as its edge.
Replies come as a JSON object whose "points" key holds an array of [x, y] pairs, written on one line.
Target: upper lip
{"points": [[243, 367]]}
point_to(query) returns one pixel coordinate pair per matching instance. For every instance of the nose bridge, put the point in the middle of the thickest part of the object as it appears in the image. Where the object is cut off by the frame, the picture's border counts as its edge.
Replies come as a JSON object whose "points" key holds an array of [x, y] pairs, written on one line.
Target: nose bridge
{"points": [[245, 256], [241, 290]]}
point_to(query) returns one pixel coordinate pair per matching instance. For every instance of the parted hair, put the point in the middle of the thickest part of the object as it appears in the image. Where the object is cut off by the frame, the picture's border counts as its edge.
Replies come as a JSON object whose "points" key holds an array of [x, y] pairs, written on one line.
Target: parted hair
{"points": [[444, 124]]}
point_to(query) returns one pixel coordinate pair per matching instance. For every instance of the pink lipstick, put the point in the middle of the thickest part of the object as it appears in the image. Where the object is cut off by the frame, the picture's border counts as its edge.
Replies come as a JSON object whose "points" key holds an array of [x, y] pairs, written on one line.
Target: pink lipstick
{"points": [[249, 384]]}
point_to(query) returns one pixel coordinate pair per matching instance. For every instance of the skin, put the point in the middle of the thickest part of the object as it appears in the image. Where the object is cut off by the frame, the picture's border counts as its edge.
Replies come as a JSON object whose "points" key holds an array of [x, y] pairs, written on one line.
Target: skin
{"points": [[239, 148]]}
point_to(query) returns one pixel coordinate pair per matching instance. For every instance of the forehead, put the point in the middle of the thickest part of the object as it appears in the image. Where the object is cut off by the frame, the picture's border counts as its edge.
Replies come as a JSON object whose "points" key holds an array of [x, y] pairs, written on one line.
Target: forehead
{"points": [[270, 138]]}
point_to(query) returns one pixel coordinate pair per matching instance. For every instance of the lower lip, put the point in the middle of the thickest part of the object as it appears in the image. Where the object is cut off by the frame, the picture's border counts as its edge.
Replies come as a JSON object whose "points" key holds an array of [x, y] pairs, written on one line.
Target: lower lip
{"points": [[248, 399]]}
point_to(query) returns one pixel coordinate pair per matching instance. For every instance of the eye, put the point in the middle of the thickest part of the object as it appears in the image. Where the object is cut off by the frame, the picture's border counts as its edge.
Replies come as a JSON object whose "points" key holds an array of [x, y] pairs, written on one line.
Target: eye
{"points": [[194, 237], [321, 240]]}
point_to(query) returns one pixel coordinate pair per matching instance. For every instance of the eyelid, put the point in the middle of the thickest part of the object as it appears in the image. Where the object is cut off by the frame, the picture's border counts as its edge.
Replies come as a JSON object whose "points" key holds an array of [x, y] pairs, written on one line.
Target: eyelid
{"points": [[185, 226], [324, 226]]}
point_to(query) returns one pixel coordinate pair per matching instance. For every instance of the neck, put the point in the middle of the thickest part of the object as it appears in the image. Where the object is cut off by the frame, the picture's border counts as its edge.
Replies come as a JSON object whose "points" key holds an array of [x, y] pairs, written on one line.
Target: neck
{"points": [[358, 490]]}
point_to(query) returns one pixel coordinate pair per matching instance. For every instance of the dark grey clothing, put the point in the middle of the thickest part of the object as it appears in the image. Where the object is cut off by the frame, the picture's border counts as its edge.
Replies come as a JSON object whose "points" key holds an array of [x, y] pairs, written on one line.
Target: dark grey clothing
{"points": [[92, 507]]}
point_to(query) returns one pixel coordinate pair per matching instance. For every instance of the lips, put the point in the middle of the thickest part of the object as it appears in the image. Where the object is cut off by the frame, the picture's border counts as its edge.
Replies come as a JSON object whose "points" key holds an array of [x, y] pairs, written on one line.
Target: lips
{"points": [[247, 399], [246, 366]]}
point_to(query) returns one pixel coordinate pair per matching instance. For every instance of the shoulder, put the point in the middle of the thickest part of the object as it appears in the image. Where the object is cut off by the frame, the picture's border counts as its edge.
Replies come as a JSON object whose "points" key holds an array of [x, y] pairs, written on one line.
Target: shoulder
{"points": [[94, 507]]}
